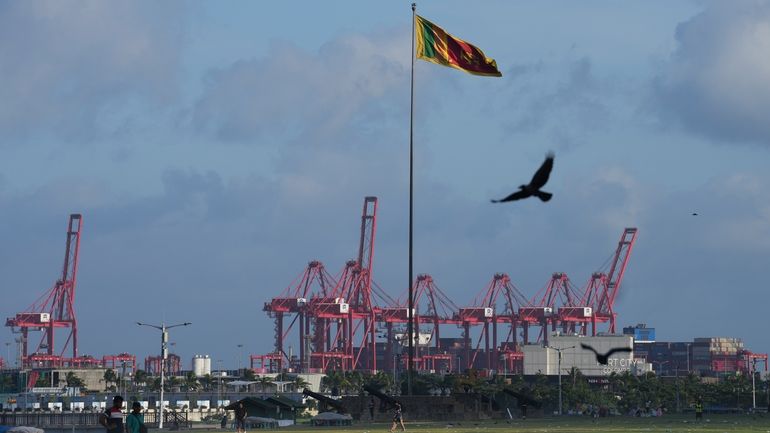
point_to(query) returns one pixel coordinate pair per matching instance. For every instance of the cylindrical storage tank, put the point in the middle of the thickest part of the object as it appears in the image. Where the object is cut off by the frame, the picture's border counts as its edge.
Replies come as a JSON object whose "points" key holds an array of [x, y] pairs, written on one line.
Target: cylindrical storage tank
{"points": [[206, 365], [198, 366]]}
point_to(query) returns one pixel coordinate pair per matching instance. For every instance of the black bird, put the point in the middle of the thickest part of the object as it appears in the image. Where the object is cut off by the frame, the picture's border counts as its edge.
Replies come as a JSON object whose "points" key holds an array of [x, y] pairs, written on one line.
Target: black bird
{"points": [[695, 214], [602, 359], [537, 182]]}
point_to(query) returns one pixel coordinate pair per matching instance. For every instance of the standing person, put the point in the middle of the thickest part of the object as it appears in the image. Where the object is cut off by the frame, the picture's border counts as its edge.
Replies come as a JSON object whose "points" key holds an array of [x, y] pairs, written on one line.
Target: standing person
{"points": [[699, 410], [398, 420], [112, 418], [135, 420], [371, 409], [240, 417]]}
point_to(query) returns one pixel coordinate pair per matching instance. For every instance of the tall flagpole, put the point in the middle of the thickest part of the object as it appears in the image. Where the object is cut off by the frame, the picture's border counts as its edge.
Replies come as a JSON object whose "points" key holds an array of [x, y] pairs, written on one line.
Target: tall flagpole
{"points": [[410, 312]]}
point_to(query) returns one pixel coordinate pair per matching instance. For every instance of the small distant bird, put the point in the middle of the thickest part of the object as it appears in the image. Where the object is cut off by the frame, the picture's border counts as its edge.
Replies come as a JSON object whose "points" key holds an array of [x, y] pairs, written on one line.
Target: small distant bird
{"points": [[602, 359], [537, 182], [695, 214]]}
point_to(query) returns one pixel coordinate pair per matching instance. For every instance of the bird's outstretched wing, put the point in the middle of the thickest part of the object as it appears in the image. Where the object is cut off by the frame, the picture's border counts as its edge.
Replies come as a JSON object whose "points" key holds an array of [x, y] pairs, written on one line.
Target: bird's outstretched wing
{"points": [[618, 349], [515, 196], [587, 347], [542, 173]]}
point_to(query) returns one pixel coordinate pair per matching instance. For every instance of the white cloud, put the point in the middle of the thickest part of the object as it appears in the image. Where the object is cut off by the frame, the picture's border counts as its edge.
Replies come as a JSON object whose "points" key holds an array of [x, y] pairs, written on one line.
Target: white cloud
{"points": [[73, 69], [715, 83], [289, 91], [559, 97]]}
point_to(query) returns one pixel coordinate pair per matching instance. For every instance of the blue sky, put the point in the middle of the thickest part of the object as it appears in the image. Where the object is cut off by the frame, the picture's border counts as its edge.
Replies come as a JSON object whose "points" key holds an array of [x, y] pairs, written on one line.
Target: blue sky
{"points": [[215, 148]]}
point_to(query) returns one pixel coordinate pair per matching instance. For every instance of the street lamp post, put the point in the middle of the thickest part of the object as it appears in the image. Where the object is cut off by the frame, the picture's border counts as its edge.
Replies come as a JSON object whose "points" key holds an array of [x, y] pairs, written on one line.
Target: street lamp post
{"points": [[123, 382], [558, 350], [676, 373], [240, 355], [26, 388], [753, 384], [219, 384], [164, 355]]}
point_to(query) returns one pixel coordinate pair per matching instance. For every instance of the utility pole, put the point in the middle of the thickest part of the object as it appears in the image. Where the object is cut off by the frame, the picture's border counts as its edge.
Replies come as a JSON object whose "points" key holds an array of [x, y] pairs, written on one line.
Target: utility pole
{"points": [[676, 372], [123, 382], [164, 356], [219, 384], [753, 384], [559, 350], [240, 355]]}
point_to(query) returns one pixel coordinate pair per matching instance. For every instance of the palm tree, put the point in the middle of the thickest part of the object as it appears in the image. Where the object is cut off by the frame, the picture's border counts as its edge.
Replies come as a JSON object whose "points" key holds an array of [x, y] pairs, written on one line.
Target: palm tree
{"points": [[172, 382], [140, 377], [73, 381], [7, 382], [154, 384], [191, 382], [331, 380], [249, 375], [299, 383], [264, 382], [110, 378], [208, 381], [355, 381], [467, 382], [380, 380]]}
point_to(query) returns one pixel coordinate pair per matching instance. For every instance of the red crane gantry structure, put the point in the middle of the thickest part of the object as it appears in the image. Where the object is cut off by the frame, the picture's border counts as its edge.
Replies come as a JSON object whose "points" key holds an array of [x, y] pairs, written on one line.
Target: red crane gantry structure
{"points": [[54, 310], [338, 318], [496, 304]]}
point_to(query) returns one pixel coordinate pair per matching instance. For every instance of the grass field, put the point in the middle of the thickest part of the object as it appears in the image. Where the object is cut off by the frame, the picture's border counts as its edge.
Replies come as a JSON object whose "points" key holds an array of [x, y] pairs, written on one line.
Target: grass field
{"points": [[666, 424]]}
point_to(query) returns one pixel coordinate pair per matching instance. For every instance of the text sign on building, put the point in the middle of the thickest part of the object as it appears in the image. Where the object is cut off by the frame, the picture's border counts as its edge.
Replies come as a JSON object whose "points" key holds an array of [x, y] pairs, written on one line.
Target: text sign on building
{"points": [[618, 365]]}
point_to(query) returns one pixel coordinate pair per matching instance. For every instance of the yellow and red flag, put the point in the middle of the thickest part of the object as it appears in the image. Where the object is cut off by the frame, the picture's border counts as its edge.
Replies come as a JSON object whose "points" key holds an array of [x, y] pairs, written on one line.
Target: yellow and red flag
{"points": [[437, 46]]}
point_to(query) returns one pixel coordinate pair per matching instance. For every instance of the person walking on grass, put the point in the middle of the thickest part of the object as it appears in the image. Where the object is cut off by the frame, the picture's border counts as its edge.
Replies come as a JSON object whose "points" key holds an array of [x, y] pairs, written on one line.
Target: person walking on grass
{"points": [[398, 419], [699, 410], [371, 409], [240, 418]]}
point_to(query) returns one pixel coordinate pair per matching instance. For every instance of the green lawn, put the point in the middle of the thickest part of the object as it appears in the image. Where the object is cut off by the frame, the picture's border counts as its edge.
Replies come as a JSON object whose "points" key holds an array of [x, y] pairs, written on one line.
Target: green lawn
{"points": [[666, 424]]}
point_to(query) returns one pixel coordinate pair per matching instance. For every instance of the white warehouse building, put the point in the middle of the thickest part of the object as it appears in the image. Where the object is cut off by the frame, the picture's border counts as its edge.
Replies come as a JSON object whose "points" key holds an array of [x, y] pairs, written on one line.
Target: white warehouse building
{"points": [[545, 360]]}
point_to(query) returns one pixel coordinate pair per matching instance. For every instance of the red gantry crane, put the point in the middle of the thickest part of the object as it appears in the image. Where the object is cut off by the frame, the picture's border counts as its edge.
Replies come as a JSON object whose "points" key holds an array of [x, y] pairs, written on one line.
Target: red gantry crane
{"points": [[356, 287], [603, 288], [293, 301], [497, 303], [338, 313], [338, 317], [55, 309], [432, 308]]}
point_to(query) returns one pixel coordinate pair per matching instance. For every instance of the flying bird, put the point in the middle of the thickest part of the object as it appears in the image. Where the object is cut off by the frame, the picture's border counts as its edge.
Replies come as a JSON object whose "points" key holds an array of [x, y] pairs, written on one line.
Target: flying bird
{"points": [[695, 214], [537, 182], [602, 359]]}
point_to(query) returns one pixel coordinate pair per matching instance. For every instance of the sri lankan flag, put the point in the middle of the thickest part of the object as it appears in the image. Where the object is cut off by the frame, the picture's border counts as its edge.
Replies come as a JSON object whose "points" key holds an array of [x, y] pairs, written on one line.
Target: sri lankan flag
{"points": [[437, 46]]}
